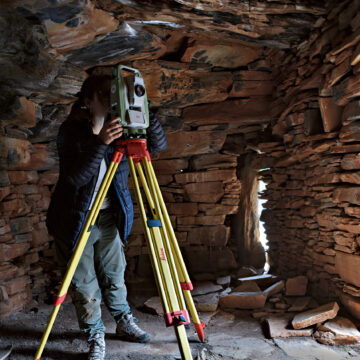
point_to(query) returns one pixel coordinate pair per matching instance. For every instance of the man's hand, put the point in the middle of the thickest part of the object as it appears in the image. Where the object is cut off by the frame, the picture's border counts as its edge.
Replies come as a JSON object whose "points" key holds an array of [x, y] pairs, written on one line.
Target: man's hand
{"points": [[110, 131]]}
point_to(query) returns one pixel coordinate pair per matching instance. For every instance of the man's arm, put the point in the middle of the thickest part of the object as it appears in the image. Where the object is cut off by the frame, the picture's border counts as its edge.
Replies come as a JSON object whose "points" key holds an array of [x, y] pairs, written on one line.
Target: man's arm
{"points": [[80, 156], [156, 138]]}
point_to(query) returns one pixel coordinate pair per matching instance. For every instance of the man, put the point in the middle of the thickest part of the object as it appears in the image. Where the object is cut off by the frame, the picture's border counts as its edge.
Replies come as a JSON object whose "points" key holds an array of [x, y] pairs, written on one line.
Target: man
{"points": [[85, 144]]}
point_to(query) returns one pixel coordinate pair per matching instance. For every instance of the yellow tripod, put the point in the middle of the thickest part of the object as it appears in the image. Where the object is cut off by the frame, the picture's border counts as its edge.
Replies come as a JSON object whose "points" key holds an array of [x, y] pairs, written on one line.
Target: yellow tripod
{"points": [[169, 268]]}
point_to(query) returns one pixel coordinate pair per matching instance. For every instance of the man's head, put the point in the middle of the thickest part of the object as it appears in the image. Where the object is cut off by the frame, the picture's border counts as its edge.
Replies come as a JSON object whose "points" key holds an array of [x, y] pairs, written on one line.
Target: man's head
{"points": [[95, 93]]}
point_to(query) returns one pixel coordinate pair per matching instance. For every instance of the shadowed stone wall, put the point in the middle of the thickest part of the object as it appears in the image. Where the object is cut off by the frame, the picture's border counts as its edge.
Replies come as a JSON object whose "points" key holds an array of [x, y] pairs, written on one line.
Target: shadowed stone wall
{"points": [[210, 72], [211, 95], [312, 213]]}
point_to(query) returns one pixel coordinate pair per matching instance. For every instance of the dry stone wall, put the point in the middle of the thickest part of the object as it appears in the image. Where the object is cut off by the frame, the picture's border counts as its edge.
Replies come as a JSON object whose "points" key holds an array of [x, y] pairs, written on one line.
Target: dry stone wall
{"points": [[211, 108], [312, 213], [199, 171]]}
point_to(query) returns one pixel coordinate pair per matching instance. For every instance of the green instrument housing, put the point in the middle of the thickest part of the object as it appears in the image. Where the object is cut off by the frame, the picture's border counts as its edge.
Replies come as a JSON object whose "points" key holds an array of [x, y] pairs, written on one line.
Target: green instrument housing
{"points": [[128, 99]]}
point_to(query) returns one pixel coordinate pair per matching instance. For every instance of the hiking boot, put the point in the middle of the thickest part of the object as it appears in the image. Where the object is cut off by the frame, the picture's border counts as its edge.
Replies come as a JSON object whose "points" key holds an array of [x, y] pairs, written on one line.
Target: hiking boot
{"points": [[127, 330], [97, 347]]}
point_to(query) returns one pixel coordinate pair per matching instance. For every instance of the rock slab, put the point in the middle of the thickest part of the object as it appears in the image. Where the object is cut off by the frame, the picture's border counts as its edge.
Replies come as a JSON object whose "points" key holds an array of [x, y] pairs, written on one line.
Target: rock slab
{"points": [[315, 316], [348, 267], [205, 287], [338, 331], [244, 300], [296, 286], [280, 326], [208, 302], [275, 288]]}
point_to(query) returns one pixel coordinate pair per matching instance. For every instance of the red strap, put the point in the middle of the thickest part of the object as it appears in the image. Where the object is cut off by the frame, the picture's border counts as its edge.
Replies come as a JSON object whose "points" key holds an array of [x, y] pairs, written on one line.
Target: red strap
{"points": [[186, 285], [59, 299]]}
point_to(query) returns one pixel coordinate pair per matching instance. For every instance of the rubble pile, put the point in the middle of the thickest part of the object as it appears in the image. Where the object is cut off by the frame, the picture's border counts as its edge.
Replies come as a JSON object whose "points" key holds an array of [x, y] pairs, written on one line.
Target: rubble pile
{"points": [[290, 311], [283, 305]]}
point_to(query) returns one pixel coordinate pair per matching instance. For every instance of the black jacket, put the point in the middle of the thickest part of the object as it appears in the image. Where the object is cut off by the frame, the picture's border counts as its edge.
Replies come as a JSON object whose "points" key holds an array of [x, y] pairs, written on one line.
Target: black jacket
{"points": [[80, 155]]}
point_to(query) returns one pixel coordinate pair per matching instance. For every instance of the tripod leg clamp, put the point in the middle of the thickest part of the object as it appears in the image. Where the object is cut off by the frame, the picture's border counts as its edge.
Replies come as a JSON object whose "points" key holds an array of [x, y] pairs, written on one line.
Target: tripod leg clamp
{"points": [[186, 285], [154, 223], [59, 299], [177, 318]]}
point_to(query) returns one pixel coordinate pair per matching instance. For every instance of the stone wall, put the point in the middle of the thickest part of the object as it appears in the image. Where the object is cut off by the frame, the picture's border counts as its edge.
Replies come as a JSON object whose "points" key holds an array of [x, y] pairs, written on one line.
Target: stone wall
{"points": [[312, 160], [212, 109]]}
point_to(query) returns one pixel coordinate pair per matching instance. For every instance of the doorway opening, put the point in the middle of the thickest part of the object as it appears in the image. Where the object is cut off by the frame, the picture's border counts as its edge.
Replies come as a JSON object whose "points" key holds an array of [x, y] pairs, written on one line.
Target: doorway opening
{"points": [[262, 233]]}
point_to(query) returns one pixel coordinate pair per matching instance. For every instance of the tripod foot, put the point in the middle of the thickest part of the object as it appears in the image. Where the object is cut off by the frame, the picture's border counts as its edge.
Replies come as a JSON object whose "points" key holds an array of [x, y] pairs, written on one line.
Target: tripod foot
{"points": [[200, 331], [5, 353]]}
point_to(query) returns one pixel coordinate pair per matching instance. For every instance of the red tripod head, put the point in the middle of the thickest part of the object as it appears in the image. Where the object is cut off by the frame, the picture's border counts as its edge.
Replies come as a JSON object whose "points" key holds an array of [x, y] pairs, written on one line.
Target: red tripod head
{"points": [[136, 149]]}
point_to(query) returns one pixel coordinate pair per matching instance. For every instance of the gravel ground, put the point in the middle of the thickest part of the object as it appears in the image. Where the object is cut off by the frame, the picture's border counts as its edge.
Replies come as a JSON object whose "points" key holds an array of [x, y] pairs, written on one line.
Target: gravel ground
{"points": [[228, 336]]}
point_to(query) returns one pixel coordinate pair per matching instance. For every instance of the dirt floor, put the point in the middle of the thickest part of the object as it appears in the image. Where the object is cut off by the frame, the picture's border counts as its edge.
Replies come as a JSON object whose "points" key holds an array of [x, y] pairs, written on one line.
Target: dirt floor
{"points": [[228, 336]]}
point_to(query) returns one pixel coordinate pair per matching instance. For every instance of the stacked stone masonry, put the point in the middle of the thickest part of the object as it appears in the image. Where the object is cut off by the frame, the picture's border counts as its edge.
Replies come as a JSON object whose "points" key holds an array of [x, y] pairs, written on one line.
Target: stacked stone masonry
{"points": [[277, 78], [210, 109], [312, 160]]}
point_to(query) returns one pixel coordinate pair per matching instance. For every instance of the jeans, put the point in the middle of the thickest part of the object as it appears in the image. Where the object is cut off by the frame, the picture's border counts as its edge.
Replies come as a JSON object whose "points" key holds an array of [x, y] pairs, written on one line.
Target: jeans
{"points": [[100, 271]]}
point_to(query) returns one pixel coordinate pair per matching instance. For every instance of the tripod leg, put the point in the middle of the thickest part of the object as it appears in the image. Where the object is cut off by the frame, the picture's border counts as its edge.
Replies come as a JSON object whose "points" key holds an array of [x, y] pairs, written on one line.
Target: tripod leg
{"points": [[182, 339], [174, 243], [161, 263], [180, 264], [148, 237], [77, 253], [157, 213]]}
